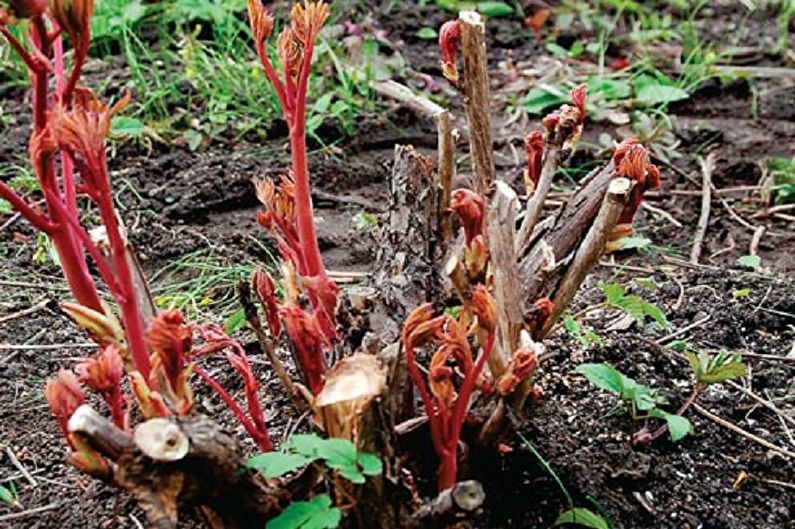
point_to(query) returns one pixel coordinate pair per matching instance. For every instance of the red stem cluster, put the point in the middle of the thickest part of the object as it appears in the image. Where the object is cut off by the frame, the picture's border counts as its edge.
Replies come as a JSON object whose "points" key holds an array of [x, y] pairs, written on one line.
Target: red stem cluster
{"points": [[447, 408], [254, 422], [79, 146], [289, 214]]}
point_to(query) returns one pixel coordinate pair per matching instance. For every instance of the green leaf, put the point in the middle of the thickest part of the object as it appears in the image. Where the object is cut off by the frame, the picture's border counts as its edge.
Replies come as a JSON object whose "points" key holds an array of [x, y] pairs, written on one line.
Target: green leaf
{"points": [[602, 376], [632, 243], [742, 293], [643, 397], [571, 325], [714, 369], [608, 89], [194, 138], [306, 444], [340, 454], [127, 127], [651, 90], [678, 426], [653, 311], [538, 100], [314, 514], [427, 33], [582, 517], [337, 451], [495, 9], [8, 497], [750, 261], [236, 321], [613, 292], [5, 207], [370, 464], [276, 464]]}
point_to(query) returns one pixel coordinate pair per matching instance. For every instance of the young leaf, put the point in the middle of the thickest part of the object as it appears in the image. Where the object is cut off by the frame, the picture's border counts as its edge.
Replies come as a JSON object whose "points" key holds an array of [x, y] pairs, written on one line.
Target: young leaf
{"points": [[634, 243], [314, 514], [571, 325], [277, 464], [340, 454], [495, 9], [613, 292], [603, 376], [750, 261], [370, 464], [306, 444], [537, 100], [718, 368], [655, 90], [583, 517], [8, 497], [610, 89], [427, 33], [678, 426], [236, 321], [643, 397], [127, 127]]}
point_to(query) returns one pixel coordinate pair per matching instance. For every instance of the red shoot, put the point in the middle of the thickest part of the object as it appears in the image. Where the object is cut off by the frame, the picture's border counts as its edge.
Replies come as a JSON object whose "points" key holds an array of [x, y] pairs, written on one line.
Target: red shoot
{"points": [[534, 144], [523, 362], [470, 208], [632, 160], [102, 373], [578, 98], [296, 47], [171, 341], [64, 395], [39, 59], [449, 37], [253, 422], [447, 407], [309, 343], [266, 292], [538, 316]]}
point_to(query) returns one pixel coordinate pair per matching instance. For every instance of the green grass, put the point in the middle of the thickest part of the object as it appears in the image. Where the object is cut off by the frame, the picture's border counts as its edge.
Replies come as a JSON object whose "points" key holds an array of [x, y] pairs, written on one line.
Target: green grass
{"points": [[202, 284]]}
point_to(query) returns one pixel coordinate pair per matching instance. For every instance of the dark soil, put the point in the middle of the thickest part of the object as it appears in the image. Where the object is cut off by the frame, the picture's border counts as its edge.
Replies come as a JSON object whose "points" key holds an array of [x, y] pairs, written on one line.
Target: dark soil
{"points": [[186, 201]]}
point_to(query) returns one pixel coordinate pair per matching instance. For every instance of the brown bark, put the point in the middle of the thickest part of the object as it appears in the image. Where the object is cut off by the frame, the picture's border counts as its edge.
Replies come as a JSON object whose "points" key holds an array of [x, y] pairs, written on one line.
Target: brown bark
{"points": [[501, 222], [538, 278], [241, 499], [477, 99], [592, 247]]}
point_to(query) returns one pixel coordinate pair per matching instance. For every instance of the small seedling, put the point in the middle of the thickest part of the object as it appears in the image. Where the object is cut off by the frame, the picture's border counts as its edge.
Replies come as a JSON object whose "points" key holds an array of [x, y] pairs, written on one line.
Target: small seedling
{"points": [[634, 305], [754, 262], [317, 513], [642, 402], [584, 335], [301, 450], [573, 515], [9, 496]]}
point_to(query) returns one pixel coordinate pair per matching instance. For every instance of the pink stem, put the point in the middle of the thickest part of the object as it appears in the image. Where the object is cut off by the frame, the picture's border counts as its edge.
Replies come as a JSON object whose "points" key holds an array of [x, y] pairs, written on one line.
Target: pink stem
{"points": [[422, 387], [102, 265], [131, 314], [254, 407], [264, 444], [303, 198], [18, 203], [20, 50]]}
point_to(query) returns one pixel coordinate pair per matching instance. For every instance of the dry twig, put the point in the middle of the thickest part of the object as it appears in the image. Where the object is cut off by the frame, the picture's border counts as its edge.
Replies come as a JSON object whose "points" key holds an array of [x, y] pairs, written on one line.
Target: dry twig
{"points": [[707, 169], [739, 431]]}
